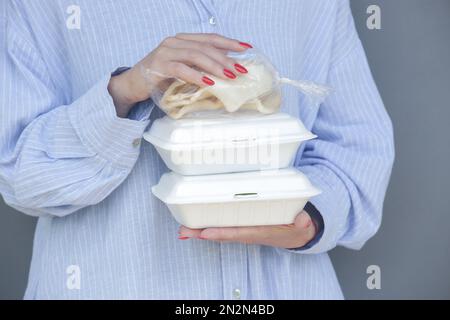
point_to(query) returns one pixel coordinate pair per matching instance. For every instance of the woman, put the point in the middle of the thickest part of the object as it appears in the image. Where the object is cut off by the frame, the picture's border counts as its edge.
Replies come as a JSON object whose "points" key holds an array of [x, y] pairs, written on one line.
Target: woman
{"points": [[71, 152]]}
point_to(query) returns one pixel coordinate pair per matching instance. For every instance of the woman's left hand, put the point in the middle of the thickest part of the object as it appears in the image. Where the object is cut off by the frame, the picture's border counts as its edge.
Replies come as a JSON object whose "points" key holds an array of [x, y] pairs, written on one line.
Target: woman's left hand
{"points": [[294, 235]]}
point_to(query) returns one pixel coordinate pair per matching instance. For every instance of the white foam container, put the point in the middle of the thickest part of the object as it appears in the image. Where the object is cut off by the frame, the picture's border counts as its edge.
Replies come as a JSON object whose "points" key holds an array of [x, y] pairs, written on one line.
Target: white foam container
{"points": [[236, 199], [228, 143]]}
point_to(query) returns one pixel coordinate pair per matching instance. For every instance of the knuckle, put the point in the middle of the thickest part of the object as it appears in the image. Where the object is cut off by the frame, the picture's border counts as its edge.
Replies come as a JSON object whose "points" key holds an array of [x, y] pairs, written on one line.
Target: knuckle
{"points": [[162, 50], [169, 41]]}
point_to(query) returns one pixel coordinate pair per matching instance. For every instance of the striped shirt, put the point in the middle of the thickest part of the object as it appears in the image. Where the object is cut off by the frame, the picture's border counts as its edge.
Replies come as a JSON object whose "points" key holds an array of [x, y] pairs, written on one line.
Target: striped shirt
{"points": [[66, 157]]}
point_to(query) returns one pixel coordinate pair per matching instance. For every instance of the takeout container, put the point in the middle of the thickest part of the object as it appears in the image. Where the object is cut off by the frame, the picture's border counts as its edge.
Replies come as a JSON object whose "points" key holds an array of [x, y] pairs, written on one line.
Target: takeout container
{"points": [[228, 143], [238, 199]]}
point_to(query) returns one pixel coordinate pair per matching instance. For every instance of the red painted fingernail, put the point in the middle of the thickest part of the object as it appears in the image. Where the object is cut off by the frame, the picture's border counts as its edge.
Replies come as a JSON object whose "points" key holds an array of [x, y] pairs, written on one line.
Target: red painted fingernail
{"points": [[245, 44], [208, 81], [183, 238], [229, 74], [240, 68]]}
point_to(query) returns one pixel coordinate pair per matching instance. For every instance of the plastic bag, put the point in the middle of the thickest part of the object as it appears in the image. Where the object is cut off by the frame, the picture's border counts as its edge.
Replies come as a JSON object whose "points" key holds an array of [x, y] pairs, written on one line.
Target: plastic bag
{"points": [[258, 90]]}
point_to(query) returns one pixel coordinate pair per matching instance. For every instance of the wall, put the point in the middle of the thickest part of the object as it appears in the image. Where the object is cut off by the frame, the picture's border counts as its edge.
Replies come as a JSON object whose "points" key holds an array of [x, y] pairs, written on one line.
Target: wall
{"points": [[410, 61]]}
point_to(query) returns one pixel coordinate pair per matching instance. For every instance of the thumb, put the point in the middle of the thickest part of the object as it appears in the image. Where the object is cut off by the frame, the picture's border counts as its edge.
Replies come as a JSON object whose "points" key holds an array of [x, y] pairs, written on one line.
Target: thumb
{"points": [[303, 220]]}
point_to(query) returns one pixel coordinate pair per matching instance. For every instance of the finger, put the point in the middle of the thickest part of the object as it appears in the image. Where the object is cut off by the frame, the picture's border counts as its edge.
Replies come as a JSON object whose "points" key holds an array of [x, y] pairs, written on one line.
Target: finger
{"points": [[305, 227], [250, 235], [189, 233], [175, 42], [200, 60], [181, 71], [303, 220], [214, 53], [216, 40]]}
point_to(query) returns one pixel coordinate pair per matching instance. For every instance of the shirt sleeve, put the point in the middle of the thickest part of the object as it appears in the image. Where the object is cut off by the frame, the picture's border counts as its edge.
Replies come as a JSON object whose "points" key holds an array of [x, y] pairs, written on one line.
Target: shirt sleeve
{"points": [[352, 158], [57, 156]]}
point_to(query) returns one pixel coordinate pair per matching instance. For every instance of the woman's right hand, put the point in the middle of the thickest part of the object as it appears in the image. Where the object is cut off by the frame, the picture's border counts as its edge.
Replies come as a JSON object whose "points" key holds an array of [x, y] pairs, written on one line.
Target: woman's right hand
{"points": [[178, 57]]}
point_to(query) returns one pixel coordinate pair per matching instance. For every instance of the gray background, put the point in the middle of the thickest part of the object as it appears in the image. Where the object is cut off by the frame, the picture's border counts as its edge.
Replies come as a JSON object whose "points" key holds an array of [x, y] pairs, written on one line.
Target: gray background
{"points": [[409, 57]]}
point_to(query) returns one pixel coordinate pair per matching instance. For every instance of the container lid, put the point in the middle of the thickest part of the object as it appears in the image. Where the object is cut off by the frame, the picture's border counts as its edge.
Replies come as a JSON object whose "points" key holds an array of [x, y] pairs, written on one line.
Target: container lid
{"points": [[246, 186], [234, 128]]}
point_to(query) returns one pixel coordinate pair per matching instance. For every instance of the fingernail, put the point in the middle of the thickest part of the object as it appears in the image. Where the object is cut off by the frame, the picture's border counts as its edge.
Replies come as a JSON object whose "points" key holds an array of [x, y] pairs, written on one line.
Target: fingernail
{"points": [[309, 224], [208, 81], [183, 238], [201, 238], [229, 74], [240, 68], [245, 44]]}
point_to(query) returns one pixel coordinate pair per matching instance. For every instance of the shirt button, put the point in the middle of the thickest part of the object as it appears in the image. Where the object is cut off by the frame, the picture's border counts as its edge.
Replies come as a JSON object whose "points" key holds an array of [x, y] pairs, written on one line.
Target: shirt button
{"points": [[136, 142], [212, 21], [237, 294]]}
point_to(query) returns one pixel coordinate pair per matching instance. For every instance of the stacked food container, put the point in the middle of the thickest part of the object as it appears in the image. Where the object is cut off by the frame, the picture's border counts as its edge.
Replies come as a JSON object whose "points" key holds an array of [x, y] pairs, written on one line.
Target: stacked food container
{"points": [[231, 171], [232, 168]]}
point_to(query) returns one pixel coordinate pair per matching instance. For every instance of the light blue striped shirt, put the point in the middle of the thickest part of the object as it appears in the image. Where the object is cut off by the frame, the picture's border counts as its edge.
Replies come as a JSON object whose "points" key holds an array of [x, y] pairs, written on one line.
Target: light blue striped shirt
{"points": [[66, 158]]}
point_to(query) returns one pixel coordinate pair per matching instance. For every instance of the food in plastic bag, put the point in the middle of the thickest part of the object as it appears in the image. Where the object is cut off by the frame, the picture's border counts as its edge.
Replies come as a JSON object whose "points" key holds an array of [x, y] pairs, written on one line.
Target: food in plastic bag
{"points": [[259, 89], [255, 91]]}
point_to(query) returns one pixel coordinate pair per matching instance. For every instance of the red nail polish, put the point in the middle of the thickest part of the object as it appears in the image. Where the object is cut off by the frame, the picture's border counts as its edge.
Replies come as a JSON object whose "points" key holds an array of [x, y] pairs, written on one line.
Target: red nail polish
{"points": [[229, 74], [245, 44], [208, 81], [183, 238], [240, 68]]}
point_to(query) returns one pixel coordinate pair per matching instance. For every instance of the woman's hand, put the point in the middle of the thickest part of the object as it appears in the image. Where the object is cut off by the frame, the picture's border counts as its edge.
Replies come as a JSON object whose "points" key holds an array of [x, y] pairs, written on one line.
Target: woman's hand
{"points": [[295, 235], [178, 57]]}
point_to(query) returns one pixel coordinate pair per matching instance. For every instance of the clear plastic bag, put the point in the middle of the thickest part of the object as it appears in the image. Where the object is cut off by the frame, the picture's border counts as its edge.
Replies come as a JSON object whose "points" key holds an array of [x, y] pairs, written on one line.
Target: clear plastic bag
{"points": [[258, 90]]}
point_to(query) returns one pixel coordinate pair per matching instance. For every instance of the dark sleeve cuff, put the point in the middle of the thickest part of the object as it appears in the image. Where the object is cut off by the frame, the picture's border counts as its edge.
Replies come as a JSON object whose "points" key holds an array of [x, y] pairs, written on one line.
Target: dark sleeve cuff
{"points": [[317, 219]]}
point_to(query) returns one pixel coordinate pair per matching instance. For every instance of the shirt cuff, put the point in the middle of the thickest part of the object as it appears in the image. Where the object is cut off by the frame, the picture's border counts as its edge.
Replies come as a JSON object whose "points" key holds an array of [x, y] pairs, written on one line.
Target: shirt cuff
{"points": [[95, 120], [142, 110]]}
